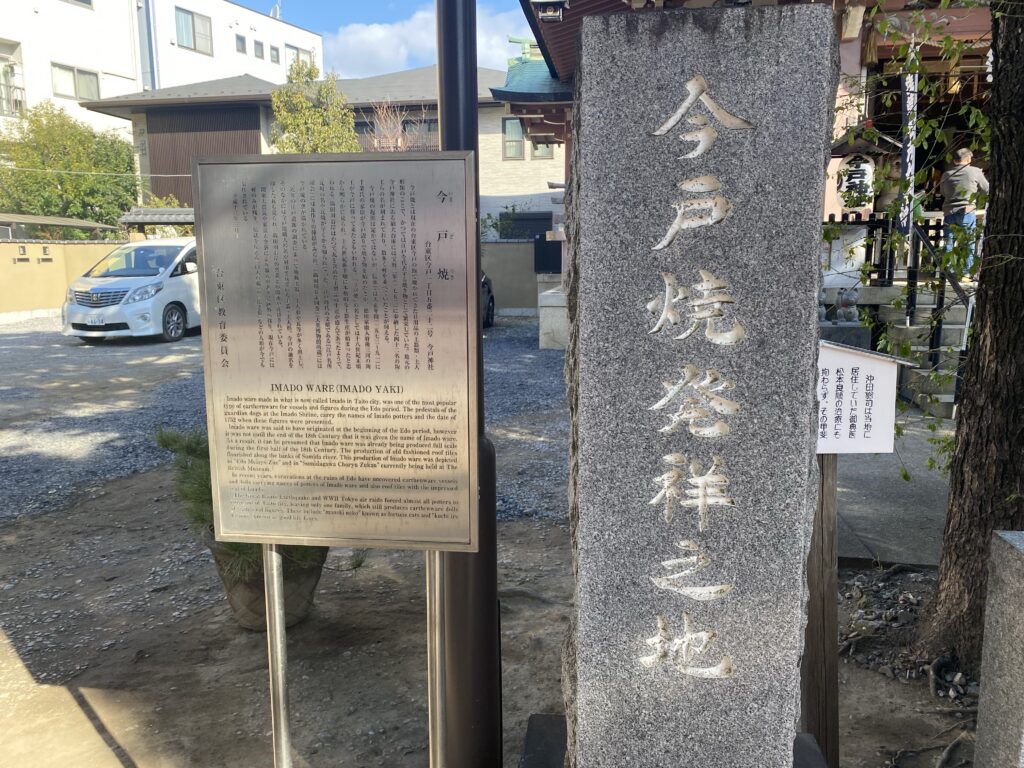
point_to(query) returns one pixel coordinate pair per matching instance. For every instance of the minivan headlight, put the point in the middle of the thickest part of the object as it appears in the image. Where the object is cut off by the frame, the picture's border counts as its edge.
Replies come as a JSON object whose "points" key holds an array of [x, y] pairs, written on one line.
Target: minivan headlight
{"points": [[71, 296], [144, 292]]}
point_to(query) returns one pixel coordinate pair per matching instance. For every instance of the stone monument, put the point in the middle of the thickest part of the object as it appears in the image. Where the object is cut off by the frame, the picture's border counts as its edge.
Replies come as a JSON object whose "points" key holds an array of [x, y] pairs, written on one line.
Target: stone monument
{"points": [[701, 141], [1000, 720]]}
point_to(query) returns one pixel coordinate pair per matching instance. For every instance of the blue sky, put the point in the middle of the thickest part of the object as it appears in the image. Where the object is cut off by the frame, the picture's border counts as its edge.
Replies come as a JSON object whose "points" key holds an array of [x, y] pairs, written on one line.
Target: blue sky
{"points": [[370, 38]]}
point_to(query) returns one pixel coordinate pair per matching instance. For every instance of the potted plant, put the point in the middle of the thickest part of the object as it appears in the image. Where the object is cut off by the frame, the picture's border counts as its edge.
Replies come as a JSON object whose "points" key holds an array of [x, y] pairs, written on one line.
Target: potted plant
{"points": [[241, 565]]}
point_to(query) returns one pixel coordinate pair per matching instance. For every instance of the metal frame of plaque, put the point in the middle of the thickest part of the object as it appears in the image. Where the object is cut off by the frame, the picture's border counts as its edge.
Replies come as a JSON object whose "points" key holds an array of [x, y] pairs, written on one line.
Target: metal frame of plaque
{"points": [[340, 342]]}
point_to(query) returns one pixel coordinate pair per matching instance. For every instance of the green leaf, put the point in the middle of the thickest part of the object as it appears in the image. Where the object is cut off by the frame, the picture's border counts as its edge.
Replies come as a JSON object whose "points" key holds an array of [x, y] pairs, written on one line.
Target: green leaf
{"points": [[311, 115], [57, 166]]}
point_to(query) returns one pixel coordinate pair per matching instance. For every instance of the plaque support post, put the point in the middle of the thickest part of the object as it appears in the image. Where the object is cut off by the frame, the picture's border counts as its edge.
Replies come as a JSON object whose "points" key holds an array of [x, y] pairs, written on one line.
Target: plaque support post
{"points": [[273, 578], [820, 664], [468, 600], [436, 716]]}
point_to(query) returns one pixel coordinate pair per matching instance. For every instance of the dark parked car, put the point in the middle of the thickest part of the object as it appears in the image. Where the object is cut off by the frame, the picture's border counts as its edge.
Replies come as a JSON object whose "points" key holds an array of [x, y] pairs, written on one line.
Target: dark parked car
{"points": [[487, 300]]}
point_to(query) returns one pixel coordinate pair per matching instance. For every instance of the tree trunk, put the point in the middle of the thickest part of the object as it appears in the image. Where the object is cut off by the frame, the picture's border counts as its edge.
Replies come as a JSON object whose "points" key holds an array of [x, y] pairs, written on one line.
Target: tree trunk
{"points": [[987, 477]]}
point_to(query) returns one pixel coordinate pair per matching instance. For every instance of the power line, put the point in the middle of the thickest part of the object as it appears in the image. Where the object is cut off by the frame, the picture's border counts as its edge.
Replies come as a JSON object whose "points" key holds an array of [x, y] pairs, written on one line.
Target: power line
{"points": [[95, 173]]}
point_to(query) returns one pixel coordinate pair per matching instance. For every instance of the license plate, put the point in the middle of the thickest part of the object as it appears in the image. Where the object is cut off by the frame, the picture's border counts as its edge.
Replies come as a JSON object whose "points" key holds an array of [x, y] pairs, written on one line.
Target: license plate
{"points": [[95, 320]]}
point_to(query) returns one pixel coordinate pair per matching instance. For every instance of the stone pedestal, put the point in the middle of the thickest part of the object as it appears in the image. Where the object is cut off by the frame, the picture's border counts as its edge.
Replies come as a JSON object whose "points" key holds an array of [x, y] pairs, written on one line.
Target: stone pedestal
{"points": [[1001, 706], [554, 319], [701, 145], [850, 334]]}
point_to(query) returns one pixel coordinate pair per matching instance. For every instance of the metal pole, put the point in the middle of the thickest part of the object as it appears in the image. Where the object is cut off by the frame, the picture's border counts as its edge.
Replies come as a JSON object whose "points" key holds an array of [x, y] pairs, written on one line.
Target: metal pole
{"points": [[273, 578], [472, 673], [436, 718]]}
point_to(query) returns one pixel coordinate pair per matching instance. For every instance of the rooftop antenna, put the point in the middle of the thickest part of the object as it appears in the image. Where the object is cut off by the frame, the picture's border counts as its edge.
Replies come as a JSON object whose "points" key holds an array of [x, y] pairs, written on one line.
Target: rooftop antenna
{"points": [[275, 11]]}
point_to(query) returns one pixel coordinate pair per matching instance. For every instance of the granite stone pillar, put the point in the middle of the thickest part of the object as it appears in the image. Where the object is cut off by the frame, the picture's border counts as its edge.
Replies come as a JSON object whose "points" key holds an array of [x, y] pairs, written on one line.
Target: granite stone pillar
{"points": [[696, 197], [1001, 706]]}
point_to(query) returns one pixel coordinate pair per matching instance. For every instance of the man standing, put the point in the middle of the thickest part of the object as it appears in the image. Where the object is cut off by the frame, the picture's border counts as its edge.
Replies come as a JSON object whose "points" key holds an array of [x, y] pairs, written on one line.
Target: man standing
{"points": [[960, 187]]}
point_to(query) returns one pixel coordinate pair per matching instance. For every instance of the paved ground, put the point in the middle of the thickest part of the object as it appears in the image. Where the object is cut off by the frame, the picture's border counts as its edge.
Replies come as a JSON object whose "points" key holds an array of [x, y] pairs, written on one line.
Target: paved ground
{"points": [[885, 518]]}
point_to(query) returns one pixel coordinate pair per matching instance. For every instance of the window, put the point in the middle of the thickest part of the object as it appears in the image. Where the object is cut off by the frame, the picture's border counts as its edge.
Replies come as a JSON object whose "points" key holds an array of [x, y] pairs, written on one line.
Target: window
{"points": [[512, 147], [291, 53], [520, 225], [257, 49], [86, 3], [182, 269], [12, 95], [421, 134], [194, 31], [275, 55], [542, 151], [74, 83], [240, 43], [365, 135]]}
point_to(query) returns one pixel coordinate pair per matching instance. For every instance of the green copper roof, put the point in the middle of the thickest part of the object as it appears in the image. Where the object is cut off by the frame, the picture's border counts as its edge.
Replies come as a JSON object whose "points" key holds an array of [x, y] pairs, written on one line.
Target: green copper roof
{"points": [[530, 81]]}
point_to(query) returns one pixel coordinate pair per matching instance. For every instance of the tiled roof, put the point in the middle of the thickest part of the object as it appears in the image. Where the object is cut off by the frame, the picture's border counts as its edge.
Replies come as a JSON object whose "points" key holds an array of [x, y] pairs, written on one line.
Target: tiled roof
{"points": [[137, 216], [411, 86], [240, 89], [51, 221], [531, 81]]}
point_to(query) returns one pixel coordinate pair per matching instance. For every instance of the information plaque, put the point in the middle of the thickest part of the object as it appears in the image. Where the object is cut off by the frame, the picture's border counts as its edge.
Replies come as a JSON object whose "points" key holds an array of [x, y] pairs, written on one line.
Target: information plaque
{"points": [[856, 400], [339, 302]]}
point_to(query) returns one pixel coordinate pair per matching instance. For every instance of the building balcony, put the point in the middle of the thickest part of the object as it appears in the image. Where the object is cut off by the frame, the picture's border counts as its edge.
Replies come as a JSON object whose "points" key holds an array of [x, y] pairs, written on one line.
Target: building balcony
{"points": [[415, 143], [12, 100]]}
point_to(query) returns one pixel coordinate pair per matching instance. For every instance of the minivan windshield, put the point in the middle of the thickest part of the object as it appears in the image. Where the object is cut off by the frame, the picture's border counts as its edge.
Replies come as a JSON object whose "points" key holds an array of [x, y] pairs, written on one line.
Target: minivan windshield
{"points": [[135, 260]]}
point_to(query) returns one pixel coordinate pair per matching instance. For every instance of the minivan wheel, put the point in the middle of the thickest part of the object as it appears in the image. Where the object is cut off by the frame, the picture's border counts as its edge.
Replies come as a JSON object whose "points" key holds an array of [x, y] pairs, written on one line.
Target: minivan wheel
{"points": [[489, 313], [173, 322]]}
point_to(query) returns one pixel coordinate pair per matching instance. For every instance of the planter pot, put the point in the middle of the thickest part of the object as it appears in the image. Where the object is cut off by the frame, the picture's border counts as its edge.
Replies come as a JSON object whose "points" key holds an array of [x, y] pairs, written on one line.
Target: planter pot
{"points": [[247, 597]]}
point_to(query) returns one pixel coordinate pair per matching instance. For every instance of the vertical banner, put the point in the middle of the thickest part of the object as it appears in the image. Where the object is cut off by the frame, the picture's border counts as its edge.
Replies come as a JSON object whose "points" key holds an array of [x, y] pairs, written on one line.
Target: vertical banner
{"points": [[340, 343]]}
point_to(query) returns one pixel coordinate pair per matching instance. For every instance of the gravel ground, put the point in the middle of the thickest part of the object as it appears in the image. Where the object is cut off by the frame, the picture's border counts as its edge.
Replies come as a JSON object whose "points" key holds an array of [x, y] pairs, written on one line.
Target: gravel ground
{"points": [[519, 377], [73, 416], [527, 419]]}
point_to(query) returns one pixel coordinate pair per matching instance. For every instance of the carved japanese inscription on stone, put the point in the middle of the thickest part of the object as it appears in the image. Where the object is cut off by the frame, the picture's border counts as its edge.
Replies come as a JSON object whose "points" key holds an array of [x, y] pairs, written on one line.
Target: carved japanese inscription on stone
{"points": [[702, 397], [714, 206], [340, 348]]}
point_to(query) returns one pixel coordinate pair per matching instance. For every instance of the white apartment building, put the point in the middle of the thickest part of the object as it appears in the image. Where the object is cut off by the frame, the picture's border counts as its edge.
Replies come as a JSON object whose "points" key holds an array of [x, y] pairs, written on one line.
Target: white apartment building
{"points": [[68, 51], [194, 41]]}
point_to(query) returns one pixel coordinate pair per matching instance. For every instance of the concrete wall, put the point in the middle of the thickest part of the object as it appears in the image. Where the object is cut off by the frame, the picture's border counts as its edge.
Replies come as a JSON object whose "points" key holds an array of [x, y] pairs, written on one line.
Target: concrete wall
{"points": [[1000, 721], [510, 267], [41, 282], [38, 279], [849, 113]]}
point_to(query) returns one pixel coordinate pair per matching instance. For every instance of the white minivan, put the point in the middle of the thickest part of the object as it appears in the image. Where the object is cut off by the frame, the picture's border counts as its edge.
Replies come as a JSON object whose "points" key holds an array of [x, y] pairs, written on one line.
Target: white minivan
{"points": [[140, 289]]}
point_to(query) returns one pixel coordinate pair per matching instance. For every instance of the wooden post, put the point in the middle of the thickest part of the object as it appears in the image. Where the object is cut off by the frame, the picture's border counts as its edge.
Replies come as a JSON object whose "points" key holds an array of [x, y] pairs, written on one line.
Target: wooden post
{"points": [[820, 667]]}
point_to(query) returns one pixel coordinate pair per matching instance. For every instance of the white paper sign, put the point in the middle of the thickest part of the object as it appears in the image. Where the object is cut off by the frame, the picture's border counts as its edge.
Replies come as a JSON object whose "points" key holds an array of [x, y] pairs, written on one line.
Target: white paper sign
{"points": [[856, 400]]}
